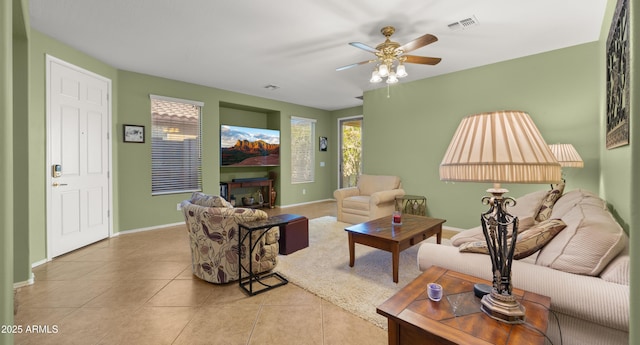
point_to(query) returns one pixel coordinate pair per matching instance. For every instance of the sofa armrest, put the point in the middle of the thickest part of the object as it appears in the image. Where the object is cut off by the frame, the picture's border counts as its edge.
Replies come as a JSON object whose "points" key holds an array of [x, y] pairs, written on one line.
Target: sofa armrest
{"points": [[580, 296], [343, 193], [385, 196]]}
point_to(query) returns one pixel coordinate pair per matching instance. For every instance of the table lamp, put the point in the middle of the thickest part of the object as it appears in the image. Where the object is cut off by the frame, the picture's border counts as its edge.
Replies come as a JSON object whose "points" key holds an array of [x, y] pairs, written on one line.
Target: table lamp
{"points": [[567, 156], [500, 147]]}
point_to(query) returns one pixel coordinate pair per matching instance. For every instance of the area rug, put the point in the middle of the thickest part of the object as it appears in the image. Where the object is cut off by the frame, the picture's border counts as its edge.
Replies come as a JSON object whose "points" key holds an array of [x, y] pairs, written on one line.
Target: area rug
{"points": [[323, 269]]}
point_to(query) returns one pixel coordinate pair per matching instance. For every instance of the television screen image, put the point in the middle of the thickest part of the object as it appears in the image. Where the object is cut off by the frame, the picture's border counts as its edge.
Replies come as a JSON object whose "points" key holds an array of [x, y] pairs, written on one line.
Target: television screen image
{"points": [[249, 147]]}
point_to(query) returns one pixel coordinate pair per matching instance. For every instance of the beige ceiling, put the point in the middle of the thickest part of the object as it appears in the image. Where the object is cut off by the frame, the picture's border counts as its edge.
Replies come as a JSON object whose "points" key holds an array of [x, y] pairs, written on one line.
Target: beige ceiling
{"points": [[244, 45]]}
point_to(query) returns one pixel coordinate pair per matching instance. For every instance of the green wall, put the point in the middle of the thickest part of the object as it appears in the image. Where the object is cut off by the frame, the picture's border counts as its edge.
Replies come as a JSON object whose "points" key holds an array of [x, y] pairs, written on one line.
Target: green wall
{"points": [[408, 133], [619, 166], [139, 209], [6, 171]]}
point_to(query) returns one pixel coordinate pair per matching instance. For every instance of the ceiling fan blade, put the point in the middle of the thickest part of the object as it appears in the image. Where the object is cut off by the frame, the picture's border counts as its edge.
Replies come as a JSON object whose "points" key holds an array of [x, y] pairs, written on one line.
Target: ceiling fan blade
{"points": [[425, 60], [363, 47], [418, 43], [354, 65]]}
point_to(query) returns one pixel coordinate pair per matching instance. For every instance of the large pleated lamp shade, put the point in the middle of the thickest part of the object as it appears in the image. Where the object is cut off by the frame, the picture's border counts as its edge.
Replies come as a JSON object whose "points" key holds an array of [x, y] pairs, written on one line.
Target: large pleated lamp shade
{"points": [[567, 155], [499, 147]]}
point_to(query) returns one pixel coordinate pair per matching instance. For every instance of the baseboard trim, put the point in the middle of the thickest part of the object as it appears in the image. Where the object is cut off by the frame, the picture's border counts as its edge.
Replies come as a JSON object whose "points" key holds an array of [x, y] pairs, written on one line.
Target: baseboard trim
{"points": [[305, 203], [156, 227], [28, 282]]}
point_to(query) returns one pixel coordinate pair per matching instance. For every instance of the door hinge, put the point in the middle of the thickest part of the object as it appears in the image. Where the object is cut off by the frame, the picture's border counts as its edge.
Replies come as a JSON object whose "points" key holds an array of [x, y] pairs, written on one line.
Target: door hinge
{"points": [[108, 213]]}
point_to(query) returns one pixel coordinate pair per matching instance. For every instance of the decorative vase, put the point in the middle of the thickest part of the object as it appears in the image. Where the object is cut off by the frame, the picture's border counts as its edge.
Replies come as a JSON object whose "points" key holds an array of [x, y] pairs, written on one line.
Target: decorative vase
{"points": [[273, 198]]}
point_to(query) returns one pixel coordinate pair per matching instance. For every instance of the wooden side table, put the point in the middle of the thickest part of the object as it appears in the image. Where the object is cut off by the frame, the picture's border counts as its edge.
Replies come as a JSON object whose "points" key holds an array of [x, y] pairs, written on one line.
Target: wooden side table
{"points": [[412, 204], [457, 319]]}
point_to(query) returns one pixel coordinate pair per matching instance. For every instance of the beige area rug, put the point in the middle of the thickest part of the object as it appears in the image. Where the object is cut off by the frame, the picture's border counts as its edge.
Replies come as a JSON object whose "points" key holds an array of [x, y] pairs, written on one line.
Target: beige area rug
{"points": [[323, 269]]}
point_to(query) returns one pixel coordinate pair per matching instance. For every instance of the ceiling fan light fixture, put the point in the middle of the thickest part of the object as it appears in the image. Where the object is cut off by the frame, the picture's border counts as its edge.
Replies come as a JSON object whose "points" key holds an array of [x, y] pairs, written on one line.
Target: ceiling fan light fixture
{"points": [[375, 76], [383, 70], [401, 72], [392, 79]]}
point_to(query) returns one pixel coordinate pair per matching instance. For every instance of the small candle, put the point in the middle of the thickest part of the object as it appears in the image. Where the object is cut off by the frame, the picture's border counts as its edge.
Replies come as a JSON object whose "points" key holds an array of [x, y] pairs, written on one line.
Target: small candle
{"points": [[397, 217]]}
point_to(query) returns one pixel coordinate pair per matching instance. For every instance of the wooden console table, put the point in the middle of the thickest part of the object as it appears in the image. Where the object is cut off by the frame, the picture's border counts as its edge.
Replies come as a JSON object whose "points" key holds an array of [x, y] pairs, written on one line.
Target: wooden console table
{"points": [[265, 187]]}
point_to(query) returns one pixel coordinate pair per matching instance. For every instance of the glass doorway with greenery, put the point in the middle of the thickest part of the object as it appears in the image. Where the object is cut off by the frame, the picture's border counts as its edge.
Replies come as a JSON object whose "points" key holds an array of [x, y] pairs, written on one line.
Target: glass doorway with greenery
{"points": [[350, 164]]}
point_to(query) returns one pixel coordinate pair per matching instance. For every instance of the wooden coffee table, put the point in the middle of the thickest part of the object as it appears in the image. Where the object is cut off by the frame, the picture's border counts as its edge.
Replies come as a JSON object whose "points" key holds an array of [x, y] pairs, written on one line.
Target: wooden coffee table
{"points": [[381, 234], [457, 319]]}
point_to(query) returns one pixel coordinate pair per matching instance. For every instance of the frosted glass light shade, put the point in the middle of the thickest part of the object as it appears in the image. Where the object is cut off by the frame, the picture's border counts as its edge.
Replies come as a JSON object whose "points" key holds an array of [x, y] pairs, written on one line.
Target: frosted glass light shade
{"points": [[383, 70], [499, 147], [391, 79], [375, 76], [567, 155], [401, 72]]}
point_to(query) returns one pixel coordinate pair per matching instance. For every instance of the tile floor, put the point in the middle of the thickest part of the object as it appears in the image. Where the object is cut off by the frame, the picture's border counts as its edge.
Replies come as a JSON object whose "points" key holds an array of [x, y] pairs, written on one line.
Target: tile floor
{"points": [[138, 289]]}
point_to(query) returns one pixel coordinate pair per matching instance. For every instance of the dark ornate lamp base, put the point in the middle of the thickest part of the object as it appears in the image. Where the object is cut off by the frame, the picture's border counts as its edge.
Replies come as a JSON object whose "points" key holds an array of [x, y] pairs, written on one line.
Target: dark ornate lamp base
{"points": [[503, 308]]}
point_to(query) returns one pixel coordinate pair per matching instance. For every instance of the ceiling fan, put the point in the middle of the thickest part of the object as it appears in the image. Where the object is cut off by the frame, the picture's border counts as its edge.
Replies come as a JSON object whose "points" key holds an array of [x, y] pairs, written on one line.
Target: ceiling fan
{"points": [[390, 54]]}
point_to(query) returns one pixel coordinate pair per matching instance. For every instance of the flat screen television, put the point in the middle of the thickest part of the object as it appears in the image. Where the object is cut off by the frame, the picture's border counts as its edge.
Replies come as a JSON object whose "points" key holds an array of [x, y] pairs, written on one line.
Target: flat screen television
{"points": [[249, 147]]}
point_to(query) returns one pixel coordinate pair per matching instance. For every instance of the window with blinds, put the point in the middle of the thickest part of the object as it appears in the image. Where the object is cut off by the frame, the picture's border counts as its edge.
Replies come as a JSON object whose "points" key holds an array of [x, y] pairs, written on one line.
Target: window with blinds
{"points": [[176, 157], [302, 152]]}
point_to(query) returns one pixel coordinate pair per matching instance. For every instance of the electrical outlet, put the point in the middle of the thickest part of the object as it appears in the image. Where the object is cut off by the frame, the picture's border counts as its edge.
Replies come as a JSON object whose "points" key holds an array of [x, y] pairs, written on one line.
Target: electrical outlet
{"points": [[304, 191], [178, 208]]}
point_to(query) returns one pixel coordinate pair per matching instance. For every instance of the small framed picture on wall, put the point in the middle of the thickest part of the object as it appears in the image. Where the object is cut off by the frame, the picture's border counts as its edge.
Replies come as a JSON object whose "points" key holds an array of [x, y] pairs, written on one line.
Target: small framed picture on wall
{"points": [[133, 133], [323, 143]]}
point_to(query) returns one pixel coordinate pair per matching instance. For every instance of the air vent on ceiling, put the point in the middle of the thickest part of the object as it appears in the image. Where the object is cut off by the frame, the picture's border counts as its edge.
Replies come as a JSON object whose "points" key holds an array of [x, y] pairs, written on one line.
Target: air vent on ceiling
{"points": [[464, 23]]}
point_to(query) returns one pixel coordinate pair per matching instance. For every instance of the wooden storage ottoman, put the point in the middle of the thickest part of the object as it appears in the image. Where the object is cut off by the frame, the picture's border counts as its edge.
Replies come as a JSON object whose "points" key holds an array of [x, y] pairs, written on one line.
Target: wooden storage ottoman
{"points": [[294, 235]]}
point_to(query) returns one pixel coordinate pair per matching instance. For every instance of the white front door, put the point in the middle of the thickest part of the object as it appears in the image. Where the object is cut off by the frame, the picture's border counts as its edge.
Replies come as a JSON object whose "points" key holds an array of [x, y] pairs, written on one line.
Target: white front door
{"points": [[78, 157]]}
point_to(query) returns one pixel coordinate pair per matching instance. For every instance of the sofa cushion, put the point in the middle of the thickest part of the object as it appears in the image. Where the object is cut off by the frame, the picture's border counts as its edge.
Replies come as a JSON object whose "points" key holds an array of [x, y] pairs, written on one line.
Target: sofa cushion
{"points": [[476, 234], [590, 241], [527, 243], [527, 205], [358, 202], [572, 198], [369, 184], [547, 203], [201, 199], [617, 271]]}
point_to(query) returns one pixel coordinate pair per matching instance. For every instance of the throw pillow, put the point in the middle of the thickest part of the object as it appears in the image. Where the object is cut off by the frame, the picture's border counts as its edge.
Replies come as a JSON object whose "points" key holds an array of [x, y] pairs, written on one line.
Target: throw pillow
{"points": [[528, 242], [201, 199], [533, 239], [476, 234], [546, 206], [590, 242]]}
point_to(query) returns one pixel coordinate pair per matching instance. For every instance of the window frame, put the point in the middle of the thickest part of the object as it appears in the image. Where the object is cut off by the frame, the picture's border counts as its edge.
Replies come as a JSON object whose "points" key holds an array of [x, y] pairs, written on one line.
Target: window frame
{"points": [[310, 175], [194, 163]]}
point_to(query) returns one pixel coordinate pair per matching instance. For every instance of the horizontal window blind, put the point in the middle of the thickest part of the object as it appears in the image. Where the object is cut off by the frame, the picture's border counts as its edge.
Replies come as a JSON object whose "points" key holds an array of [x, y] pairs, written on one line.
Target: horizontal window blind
{"points": [[302, 153], [176, 157]]}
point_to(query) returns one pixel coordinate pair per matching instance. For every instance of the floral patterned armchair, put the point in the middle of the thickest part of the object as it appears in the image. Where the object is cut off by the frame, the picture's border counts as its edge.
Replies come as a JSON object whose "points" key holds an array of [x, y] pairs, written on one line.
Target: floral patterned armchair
{"points": [[212, 224]]}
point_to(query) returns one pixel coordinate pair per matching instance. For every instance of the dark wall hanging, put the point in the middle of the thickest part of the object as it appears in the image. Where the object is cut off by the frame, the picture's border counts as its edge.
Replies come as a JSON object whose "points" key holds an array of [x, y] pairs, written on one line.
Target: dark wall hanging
{"points": [[618, 78]]}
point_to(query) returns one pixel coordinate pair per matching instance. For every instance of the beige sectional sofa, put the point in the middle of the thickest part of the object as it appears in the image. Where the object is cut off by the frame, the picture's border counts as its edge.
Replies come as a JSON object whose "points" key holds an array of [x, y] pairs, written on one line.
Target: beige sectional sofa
{"points": [[584, 268]]}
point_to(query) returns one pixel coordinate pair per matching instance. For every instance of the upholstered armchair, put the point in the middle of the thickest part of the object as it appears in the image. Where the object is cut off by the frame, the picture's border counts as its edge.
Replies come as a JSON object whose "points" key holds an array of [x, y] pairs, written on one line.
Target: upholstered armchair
{"points": [[212, 224], [372, 198]]}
